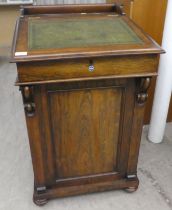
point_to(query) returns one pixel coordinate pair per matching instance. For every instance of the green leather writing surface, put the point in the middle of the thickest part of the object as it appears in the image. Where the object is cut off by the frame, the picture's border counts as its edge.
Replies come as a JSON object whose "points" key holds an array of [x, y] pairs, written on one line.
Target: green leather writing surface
{"points": [[71, 33]]}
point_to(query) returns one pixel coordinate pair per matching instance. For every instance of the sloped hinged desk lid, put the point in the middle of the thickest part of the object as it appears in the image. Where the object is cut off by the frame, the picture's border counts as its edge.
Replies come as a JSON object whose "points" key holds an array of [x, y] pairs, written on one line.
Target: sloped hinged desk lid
{"points": [[62, 36]]}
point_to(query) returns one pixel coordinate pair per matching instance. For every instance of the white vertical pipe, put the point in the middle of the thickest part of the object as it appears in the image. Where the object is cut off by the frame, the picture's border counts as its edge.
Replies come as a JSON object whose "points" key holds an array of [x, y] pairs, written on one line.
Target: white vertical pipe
{"points": [[163, 85]]}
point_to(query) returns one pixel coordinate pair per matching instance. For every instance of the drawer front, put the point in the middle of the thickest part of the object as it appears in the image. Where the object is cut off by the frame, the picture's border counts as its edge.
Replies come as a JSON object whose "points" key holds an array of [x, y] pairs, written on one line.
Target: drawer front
{"points": [[117, 67]]}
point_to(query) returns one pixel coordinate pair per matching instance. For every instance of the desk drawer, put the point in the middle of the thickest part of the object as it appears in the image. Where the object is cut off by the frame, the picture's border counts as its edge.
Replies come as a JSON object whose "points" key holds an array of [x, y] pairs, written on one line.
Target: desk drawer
{"points": [[114, 67]]}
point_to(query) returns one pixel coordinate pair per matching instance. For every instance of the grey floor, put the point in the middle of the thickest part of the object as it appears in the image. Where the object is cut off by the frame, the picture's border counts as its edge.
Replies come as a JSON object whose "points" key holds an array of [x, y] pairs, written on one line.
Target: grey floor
{"points": [[16, 176]]}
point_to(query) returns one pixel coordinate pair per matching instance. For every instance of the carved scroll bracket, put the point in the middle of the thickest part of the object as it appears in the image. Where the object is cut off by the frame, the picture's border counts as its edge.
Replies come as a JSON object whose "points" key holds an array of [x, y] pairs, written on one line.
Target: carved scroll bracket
{"points": [[28, 100], [142, 87]]}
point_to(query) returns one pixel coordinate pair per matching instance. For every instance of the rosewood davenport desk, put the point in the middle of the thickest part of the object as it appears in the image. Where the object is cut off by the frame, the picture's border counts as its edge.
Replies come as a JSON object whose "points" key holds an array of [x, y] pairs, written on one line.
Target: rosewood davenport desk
{"points": [[83, 71]]}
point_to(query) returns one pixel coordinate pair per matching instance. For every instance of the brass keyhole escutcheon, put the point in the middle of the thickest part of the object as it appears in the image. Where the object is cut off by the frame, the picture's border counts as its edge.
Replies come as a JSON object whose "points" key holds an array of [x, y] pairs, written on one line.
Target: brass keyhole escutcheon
{"points": [[91, 66]]}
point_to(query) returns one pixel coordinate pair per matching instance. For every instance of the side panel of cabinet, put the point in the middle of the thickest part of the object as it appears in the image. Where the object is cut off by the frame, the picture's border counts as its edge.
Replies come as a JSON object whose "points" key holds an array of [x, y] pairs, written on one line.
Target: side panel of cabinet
{"points": [[153, 24]]}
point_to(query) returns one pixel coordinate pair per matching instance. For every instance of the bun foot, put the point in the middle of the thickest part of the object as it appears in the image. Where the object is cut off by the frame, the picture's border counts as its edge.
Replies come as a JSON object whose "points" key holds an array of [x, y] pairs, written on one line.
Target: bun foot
{"points": [[131, 189], [40, 202]]}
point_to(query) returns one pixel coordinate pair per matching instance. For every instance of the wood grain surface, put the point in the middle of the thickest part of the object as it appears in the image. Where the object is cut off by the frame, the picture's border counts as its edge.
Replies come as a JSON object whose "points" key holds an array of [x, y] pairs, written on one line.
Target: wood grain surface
{"points": [[85, 134], [84, 115], [116, 67]]}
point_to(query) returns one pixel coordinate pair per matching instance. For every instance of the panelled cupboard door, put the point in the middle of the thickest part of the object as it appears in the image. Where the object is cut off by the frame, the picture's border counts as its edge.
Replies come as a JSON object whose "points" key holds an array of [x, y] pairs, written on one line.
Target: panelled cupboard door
{"points": [[86, 128]]}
